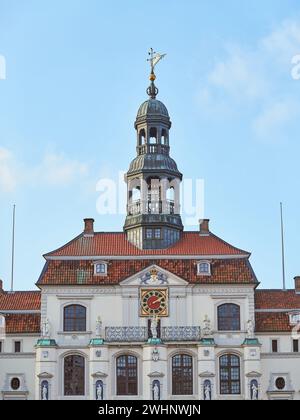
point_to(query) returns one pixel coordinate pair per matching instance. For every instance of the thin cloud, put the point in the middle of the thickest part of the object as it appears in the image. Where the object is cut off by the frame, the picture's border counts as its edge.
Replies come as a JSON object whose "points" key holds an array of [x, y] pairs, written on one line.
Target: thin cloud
{"points": [[55, 169], [249, 80]]}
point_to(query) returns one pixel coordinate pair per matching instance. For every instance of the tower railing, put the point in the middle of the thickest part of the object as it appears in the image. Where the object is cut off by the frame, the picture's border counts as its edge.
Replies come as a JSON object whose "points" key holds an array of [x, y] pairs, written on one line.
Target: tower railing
{"points": [[153, 149], [152, 207]]}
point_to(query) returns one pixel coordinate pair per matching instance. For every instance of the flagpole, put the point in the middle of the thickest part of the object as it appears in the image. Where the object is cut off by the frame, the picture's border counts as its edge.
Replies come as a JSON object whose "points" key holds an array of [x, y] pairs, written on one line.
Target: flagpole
{"points": [[282, 247], [13, 249]]}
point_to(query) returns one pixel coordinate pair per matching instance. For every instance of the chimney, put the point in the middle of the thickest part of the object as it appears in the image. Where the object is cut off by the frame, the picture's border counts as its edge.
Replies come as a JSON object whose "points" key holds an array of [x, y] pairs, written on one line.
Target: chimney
{"points": [[204, 227], [1, 287], [88, 227], [297, 284]]}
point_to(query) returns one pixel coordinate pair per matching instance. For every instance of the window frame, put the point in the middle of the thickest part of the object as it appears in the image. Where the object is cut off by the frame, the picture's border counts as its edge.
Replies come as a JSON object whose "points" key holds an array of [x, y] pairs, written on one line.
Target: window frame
{"points": [[203, 273], [126, 382], [84, 379], [14, 346], [228, 368], [79, 305], [273, 341], [178, 385], [102, 273], [295, 342], [228, 318]]}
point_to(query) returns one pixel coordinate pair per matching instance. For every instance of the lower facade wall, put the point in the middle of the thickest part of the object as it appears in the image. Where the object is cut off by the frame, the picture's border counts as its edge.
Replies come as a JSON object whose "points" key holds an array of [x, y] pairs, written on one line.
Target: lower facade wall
{"points": [[154, 365]]}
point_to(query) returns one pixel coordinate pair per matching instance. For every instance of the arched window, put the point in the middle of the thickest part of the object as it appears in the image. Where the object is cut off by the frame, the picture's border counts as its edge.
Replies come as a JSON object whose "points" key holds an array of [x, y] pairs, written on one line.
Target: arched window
{"points": [[74, 375], [142, 137], [153, 135], [182, 374], [229, 317], [127, 375], [230, 382], [164, 137], [74, 318]]}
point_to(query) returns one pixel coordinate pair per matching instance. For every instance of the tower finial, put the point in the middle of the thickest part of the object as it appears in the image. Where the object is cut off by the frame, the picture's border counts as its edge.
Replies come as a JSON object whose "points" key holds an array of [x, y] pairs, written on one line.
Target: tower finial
{"points": [[154, 59]]}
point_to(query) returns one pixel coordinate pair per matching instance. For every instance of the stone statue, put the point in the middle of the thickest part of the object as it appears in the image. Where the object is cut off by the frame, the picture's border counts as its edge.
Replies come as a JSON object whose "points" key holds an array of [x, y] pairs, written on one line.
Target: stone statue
{"points": [[254, 391], [46, 329], [207, 391], [207, 326], [44, 392], [99, 327], [250, 329], [153, 327], [155, 391], [99, 391]]}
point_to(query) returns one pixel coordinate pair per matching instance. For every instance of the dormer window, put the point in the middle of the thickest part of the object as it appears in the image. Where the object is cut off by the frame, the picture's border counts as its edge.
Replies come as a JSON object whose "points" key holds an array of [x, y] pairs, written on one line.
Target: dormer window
{"points": [[295, 318], [100, 268], [203, 268]]}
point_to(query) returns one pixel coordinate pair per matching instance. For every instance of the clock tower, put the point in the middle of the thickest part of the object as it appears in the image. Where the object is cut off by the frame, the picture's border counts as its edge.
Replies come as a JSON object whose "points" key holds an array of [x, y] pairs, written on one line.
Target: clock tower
{"points": [[153, 218]]}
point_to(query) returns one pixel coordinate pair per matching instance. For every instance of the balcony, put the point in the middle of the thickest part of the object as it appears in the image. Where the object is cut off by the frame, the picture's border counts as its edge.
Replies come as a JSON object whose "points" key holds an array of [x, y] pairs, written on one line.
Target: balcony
{"points": [[126, 334], [141, 334]]}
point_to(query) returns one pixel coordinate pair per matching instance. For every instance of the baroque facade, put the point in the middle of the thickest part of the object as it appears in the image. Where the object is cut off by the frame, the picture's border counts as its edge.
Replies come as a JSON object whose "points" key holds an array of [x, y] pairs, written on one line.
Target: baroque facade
{"points": [[153, 312]]}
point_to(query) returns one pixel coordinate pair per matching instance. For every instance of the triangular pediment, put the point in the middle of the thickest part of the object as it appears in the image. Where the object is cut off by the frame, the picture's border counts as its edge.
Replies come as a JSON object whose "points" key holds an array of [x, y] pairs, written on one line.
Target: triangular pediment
{"points": [[153, 276]]}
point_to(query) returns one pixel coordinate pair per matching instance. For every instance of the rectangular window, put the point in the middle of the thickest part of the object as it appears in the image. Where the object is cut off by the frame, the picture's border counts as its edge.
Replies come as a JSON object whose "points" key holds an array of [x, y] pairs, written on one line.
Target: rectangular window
{"points": [[1, 347], [296, 346], [149, 233], [101, 268], [157, 233], [274, 346], [17, 346]]}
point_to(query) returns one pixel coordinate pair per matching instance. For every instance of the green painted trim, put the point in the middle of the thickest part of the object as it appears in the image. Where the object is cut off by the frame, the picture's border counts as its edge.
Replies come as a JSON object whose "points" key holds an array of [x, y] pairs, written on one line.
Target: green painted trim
{"points": [[154, 341], [46, 342], [251, 342], [95, 342], [207, 342]]}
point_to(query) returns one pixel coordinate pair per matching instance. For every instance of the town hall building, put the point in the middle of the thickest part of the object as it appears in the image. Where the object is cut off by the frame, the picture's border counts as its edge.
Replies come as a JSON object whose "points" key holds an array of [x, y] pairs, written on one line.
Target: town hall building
{"points": [[152, 312]]}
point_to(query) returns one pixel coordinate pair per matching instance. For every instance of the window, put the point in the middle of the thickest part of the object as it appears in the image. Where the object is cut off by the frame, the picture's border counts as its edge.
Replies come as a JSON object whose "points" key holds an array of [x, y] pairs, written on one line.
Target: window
{"points": [[1, 347], [148, 233], [17, 346], [274, 346], [74, 318], [157, 233], [101, 268], [126, 372], [229, 317], [294, 319], [296, 346], [15, 384], [203, 268], [182, 374], [230, 375], [74, 375], [280, 383]]}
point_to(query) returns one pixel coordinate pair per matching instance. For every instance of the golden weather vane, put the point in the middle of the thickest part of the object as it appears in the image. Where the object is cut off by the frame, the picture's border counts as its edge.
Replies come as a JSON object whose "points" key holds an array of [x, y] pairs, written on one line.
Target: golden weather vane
{"points": [[155, 57]]}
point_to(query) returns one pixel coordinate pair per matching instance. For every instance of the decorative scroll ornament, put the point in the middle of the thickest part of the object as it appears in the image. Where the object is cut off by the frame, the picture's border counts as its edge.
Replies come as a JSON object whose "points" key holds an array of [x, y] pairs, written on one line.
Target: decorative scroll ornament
{"points": [[153, 277]]}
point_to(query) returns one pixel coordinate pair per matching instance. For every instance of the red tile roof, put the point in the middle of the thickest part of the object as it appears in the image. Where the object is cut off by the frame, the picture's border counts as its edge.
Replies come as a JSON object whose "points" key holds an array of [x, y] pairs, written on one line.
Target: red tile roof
{"points": [[116, 244], [20, 300], [276, 299], [223, 271], [22, 323], [272, 322]]}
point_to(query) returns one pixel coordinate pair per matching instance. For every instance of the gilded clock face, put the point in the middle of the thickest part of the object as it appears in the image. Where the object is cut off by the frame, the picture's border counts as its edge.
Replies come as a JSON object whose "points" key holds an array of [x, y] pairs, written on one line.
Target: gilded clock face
{"points": [[154, 302]]}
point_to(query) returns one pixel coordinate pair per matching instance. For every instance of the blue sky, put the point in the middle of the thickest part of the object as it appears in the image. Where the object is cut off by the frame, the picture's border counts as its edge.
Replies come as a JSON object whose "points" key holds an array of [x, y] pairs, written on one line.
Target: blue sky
{"points": [[76, 73]]}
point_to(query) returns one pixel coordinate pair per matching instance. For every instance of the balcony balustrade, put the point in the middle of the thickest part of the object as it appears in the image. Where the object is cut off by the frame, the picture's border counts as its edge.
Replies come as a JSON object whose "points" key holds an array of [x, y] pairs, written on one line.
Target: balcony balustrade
{"points": [[141, 334]]}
